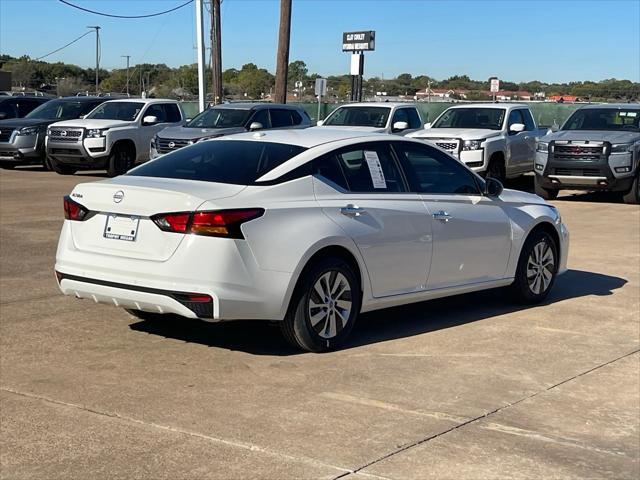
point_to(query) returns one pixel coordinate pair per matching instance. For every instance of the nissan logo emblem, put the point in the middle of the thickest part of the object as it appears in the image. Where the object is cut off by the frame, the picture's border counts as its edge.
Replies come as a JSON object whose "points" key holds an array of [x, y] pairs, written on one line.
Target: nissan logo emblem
{"points": [[172, 144], [63, 133], [118, 196]]}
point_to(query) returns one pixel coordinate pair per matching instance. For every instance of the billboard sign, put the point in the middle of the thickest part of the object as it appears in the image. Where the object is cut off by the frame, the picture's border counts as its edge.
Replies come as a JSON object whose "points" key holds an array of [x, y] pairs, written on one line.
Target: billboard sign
{"points": [[358, 41]]}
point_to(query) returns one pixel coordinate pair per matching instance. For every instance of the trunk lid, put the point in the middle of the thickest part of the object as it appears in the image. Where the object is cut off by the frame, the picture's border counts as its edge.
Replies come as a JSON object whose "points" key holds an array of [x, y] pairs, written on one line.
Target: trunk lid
{"points": [[130, 197]]}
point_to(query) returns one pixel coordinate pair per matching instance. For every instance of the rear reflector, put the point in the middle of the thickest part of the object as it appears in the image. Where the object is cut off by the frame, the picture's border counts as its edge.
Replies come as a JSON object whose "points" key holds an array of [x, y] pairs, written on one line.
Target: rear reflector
{"points": [[74, 211], [217, 223]]}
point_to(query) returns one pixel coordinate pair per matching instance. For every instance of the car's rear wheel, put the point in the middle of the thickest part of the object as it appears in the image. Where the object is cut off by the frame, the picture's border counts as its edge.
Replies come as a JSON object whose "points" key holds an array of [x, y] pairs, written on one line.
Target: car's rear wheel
{"points": [[546, 193], [633, 195], [537, 268], [62, 169], [120, 160], [324, 306], [7, 165]]}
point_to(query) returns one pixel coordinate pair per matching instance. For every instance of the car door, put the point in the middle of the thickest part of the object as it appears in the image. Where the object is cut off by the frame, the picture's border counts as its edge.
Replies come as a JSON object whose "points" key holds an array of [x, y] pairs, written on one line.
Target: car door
{"points": [[471, 232], [362, 190], [517, 149]]}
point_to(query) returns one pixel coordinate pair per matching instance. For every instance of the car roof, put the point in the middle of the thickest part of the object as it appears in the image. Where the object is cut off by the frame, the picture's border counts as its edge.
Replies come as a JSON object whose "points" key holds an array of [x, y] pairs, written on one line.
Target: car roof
{"points": [[82, 99], [490, 105], [306, 137], [255, 106], [613, 106], [142, 100], [380, 104]]}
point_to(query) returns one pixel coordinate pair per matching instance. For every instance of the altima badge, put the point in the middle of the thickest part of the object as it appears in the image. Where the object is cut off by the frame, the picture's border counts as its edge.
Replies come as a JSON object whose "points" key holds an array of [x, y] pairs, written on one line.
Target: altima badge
{"points": [[118, 196]]}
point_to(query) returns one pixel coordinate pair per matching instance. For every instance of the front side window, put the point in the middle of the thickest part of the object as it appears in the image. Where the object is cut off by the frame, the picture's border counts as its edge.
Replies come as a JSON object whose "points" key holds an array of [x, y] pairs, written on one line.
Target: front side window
{"points": [[262, 117], [429, 170], [126, 111], [529, 124], [222, 161], [359, 117], [156, 111], [171, 113], [8, 109], [604, 119], [515, 117], [472, 117], [414, 118], [220, 118], [366, 168]]}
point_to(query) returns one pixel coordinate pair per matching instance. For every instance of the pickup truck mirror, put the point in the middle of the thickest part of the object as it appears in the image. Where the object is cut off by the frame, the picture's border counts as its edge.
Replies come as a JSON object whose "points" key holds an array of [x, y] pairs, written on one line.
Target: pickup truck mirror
{"points": [[427, 125], [398, 126], [516, 128], [320, 123], [555, 127], [150, 120], [255, 126], [492, 187]]}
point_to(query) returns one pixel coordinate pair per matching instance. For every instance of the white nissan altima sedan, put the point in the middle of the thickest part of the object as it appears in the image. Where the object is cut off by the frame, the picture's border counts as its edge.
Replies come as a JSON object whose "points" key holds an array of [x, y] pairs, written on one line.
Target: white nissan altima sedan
{"points": [[308, 228]]}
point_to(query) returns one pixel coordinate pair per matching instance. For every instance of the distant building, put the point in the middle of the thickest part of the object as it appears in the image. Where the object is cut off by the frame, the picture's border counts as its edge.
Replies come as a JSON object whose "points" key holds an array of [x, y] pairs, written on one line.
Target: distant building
{"points": [[562, 98], [508, 95], [441, 93]]}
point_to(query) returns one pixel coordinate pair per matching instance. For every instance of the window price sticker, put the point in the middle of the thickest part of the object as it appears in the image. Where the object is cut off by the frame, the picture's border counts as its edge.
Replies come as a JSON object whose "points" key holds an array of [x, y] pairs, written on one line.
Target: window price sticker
{"points": [[377, 175]]}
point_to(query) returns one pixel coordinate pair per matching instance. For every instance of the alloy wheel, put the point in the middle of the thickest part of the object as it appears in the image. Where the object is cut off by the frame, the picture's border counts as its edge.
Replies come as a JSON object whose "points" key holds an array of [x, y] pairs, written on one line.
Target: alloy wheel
{"points": [[540, 267], [330, 304]]}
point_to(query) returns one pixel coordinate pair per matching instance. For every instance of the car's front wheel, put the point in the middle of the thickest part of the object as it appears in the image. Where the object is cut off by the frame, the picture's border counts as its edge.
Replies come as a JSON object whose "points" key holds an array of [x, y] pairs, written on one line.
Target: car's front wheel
{"points": [[537, 268], [324, 306], [62, 169], [120, 160], [633, 195], [7, 165]]}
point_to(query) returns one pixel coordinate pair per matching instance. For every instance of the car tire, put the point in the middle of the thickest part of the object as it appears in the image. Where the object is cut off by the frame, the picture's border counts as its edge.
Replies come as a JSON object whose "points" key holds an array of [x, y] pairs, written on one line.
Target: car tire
{"points": [[546, 193], [632, 197], [320, 323], [120, 160], [7, 165], [62, 169], [46, 164], [537, 268], [496, 169]]}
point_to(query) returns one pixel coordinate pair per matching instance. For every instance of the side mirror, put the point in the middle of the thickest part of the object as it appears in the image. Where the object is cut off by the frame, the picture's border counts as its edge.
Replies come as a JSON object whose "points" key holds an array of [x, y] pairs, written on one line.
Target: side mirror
{"points": [[516, 128], [427, 125], [187, 120], [555, 127], [255, 126], [492, 187], [320, 123], [150, 120], [398, 126]]}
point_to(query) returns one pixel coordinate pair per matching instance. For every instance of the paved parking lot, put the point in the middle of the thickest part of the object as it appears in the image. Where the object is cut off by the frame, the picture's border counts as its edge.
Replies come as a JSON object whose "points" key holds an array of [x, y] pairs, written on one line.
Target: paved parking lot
{"points": [[467, 387]]}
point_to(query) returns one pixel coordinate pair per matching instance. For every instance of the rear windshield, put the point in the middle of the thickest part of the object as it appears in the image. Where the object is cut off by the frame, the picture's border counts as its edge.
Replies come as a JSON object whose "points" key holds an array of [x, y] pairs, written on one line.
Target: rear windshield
{"points": [[223, 161], [604, 119]]}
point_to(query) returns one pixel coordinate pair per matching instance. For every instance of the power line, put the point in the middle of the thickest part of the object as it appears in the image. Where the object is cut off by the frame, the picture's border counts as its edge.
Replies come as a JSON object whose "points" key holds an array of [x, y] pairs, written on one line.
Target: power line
{"points": [[125, 16], [65, 46]]}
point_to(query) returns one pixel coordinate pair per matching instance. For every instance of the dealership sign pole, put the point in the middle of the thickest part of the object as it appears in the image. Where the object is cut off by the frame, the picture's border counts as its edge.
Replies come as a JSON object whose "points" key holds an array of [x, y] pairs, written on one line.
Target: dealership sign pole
{"points": [[357, 43], [321, 89], [495, 86]]}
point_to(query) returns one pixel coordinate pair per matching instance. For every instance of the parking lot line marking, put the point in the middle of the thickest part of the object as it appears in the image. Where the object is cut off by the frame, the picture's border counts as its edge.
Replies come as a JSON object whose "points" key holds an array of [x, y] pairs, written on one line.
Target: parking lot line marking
{"points": [[485, 415], [232, 443], [392, 407]]}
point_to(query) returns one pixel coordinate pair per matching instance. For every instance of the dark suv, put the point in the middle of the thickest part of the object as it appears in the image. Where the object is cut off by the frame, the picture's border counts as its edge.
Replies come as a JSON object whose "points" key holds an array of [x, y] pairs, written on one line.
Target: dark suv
{"points": [[22, 139], [17, 106], [226, 119]]}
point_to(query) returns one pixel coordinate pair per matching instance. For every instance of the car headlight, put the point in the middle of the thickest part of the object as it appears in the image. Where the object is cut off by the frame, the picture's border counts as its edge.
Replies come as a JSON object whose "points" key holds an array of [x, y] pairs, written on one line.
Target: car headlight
{"points": [[28, 131], [542, 147], [622, 148], [472, 144], [96, 132]]}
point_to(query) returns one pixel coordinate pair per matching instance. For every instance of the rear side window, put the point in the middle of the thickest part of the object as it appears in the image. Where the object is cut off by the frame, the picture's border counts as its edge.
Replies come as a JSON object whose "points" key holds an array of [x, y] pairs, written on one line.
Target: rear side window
{"points": [[223, 161], [280, 118], [296, 118], [367, 168], [429, 170], [172, 112]]}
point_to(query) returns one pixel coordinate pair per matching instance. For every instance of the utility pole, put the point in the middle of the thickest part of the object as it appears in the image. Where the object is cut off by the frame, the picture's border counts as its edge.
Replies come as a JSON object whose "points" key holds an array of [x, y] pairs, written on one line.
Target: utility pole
{"points": [[200, 46], [216, 52], [127, 57], [282, 64], [97, 29]]}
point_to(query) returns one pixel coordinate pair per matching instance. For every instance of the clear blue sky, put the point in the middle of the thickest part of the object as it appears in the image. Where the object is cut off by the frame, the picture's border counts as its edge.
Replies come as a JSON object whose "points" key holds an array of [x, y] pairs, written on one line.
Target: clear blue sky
{"points": [[515, 40]]}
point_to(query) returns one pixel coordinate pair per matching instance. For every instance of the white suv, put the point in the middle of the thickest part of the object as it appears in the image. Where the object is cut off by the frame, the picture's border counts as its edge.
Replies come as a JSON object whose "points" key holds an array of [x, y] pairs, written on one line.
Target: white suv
{"points": [[114, 136]]}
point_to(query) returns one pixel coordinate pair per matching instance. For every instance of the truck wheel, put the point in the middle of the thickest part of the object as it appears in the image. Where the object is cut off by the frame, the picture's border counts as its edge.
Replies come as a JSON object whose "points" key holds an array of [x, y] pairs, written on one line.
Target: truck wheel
{"points": [[120, 160], [547, 194], [7, 165], [633, 195], [62, 169], [496, 169], [324, 306]]}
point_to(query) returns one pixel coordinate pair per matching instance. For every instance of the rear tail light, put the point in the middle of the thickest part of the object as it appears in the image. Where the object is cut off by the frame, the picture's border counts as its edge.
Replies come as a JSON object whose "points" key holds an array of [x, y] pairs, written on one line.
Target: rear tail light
{"points": [[75, 211], [217, 223]]}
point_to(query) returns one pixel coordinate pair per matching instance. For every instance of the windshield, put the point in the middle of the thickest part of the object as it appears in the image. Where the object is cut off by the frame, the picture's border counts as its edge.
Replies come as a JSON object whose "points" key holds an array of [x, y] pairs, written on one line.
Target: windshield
{"points": [[603, 119], [220, 118], [223, 161], [485, 118], [359, 117], [62, 109], [127, 111]]}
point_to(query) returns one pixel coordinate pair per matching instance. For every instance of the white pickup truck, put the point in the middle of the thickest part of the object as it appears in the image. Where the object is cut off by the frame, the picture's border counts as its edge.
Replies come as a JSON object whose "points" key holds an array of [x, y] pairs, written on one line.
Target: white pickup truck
{"points": [[493, 139], [114, 136]]}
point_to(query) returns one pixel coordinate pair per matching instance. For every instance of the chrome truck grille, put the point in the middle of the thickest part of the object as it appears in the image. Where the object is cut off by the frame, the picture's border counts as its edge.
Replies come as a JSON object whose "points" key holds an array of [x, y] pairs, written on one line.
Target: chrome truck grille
{"points": [[65, 135], [166, 145], [579, 151]]}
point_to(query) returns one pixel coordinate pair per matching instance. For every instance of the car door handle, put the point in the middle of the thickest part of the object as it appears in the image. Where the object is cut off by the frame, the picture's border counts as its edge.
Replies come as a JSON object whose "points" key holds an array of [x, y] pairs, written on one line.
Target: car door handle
{"points": [[352, 210], [442, 216]]}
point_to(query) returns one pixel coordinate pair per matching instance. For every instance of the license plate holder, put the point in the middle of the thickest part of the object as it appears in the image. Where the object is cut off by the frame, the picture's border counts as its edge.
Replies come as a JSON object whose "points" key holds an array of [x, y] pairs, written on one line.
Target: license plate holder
{"points": [[121, 227]]}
